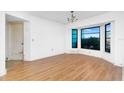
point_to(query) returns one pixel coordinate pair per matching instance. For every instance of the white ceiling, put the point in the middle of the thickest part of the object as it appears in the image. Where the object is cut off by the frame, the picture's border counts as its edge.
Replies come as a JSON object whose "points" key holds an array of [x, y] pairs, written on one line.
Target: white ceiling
{"points": [[61, 16]]}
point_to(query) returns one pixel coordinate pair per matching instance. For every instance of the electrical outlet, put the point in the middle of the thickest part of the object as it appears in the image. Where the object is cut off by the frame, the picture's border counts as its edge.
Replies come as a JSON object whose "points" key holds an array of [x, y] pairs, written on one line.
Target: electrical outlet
{"points": [[32, 40], [121, 65]]}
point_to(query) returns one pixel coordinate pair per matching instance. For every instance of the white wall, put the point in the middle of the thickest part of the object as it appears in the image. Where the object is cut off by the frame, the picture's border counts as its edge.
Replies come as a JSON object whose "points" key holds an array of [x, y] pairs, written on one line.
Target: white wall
{"points": [[43, 37], [116, 57], [48, 38], [2, 44], [27, 41]]}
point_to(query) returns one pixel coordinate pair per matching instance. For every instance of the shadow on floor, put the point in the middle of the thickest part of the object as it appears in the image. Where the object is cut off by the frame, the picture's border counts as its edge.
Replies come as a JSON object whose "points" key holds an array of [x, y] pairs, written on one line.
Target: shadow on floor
{"points": [[10, 63]]}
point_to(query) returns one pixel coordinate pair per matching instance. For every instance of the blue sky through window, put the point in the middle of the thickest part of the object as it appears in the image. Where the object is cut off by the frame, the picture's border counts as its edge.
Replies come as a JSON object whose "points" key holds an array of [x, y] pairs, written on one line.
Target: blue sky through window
{"points": [[74, 38], [108, 27], [91, 32]]}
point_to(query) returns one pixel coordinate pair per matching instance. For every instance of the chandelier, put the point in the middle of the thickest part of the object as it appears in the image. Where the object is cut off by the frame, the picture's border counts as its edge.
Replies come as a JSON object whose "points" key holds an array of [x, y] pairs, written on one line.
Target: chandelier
{"points": [[72, 17]]}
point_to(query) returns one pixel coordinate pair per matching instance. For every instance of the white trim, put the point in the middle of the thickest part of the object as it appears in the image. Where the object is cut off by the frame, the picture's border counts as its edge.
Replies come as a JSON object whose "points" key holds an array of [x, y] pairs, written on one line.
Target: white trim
{"points": [[3, 72]]}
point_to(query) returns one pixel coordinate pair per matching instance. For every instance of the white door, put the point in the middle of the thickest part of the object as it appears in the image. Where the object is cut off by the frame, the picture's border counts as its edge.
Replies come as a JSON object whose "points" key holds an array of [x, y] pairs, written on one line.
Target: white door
{"points": [[16, 41]]}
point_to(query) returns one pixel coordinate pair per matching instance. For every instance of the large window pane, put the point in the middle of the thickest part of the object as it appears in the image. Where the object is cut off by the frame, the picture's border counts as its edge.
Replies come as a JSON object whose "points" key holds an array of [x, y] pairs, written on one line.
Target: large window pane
{"points": [[90, 38], [74, 38], [107, 37]]}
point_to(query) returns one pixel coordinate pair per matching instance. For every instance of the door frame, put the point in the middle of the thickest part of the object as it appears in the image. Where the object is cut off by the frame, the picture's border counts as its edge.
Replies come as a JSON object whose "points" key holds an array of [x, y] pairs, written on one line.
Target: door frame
{"points": [[26, 38]]}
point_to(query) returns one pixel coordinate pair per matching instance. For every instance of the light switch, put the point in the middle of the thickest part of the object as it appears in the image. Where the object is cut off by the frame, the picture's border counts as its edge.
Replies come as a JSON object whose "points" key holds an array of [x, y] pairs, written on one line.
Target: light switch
{"points": [[32, 40]]}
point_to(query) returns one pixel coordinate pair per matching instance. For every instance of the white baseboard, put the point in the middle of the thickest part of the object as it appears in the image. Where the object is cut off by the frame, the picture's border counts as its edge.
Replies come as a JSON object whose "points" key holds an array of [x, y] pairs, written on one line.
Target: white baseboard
{"points": [[55, 54], [120, 65]]}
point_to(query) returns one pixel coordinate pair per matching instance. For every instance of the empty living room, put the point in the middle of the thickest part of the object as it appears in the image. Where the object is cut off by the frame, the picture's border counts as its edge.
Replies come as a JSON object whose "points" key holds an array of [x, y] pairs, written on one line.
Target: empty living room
{"points": [[61, 45]]}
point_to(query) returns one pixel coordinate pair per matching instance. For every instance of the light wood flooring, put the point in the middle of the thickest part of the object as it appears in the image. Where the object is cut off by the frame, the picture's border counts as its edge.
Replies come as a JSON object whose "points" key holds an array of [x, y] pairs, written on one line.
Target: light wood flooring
{"points": [[65, 67]]}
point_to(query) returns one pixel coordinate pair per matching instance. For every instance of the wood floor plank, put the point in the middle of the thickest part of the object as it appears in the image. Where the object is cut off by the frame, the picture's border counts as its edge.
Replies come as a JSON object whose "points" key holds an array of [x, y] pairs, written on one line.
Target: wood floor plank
{"points": [[71, 67]]}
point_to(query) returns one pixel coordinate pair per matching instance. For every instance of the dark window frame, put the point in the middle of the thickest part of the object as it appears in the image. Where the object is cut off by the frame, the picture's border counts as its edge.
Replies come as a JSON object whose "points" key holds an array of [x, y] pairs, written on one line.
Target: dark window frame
{"points": [[106, 38], [76, 38], [86, 33]]}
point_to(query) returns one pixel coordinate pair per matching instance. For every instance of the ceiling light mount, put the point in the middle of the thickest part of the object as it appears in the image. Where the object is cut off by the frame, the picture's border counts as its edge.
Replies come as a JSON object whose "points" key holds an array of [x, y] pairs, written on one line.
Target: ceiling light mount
{"points": [[72, 18]]}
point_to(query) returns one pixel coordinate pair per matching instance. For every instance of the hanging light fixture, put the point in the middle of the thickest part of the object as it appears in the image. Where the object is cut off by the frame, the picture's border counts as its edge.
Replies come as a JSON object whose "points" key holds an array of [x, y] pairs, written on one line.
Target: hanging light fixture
{"points": [[72, 17]]}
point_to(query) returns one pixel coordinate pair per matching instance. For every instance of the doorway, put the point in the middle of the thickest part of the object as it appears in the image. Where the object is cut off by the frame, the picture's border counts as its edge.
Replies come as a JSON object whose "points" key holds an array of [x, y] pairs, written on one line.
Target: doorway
{"points": [[14, 41]]}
